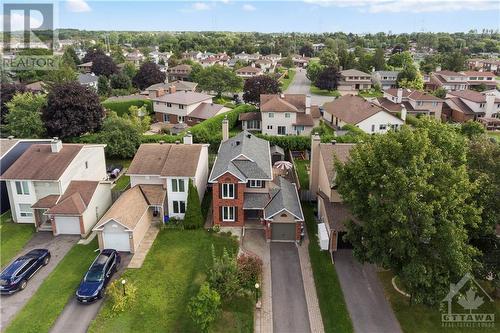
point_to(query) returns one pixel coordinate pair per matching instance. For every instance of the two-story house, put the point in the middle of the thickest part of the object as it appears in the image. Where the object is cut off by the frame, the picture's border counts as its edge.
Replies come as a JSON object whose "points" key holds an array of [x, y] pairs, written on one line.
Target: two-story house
{"points": [[286, 114], [136, 57], [448, 80], [354, 80], [88, 80], [249, 71], [180, 72], [159, 178], [59, 187], [414, 102], [476, 78], [385, 79], [357, 111], [245, 192], [462, 106]]}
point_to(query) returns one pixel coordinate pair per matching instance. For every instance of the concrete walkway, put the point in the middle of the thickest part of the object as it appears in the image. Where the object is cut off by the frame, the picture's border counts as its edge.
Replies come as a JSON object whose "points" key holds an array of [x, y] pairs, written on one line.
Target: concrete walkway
{"points": [[144, 247]]}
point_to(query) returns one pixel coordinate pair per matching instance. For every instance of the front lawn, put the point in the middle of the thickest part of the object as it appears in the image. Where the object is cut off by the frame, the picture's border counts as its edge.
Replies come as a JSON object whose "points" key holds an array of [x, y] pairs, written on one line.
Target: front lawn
{"points": [[370, 93], [42, 310], [13, 237], [171, 274], [302, 167], [419, 318], [494, 134], [331, 299], [285, 82], [316, 91]]}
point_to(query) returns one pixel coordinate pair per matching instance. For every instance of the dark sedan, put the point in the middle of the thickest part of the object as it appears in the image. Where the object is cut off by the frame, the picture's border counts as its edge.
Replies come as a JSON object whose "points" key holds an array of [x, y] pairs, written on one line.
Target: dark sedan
{"points": [[98, 276], [15, 276]]}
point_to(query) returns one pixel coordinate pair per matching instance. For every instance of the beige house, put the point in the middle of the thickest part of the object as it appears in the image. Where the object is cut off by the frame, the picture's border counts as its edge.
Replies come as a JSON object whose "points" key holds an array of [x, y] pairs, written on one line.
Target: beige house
{"points": [[332, 212], [354, 80], [180, 72], [413, 101], [249, 71]]}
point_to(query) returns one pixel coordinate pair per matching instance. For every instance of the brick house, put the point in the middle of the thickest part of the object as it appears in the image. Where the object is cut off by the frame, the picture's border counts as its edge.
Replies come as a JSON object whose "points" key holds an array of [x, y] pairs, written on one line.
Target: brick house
{"points": [[246, 193]]}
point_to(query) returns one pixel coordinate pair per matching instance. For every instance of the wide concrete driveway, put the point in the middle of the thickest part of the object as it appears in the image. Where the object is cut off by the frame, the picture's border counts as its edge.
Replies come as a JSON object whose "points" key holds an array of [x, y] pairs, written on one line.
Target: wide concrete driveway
{"points": [[58, 246], [76, 317], [369, 309], [302, 85], [290, 313]]}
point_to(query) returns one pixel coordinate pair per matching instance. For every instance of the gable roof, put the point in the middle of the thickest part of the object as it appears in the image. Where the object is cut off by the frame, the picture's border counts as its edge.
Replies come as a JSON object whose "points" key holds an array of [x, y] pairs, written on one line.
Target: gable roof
{"points": [[206, 110], [286, 198], [38, 162], [298, 101], [245, 156], [87, 78], [75, 199], [183, 97], [249, 69], [277, 104], [353, 72], [352, 109], [471, 95], [329, 152]]}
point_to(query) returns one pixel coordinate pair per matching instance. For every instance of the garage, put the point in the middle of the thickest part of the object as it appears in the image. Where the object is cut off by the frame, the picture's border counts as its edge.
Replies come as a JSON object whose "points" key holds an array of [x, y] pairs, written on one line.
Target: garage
{"points": [[283, 232], [117, 239], [67, 225]]}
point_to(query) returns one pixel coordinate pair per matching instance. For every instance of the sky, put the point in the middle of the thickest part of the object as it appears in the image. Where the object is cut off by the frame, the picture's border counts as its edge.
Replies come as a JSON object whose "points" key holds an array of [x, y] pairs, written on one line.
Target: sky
{"points": [[356, 16]]}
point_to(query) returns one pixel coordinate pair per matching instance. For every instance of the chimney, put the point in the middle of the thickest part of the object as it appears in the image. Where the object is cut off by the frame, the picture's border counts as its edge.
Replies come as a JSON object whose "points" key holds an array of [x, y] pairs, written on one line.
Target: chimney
{"points": [[490, 105], [438, 68], [399, 97], [188, 138], [160, 92], [308, 104], [172, 89], [225, 129], [314, 172], [253, 64], [10, 137], [403, 113], [55, 145]]}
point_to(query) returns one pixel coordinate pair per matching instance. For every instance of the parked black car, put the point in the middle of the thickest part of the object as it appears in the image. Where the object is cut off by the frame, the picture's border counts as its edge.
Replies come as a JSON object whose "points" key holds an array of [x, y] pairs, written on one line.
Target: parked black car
{"points": [[15, 276], [98, 276]]}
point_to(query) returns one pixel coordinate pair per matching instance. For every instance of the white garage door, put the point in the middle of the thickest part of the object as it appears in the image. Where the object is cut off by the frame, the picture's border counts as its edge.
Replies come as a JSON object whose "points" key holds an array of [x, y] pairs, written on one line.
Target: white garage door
{"points": [[67, 225], [116, 240]]}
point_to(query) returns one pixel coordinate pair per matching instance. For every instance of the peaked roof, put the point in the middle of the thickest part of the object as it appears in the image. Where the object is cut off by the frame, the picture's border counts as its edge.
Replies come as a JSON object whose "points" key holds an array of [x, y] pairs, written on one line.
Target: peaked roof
{"points": [[245, 156], [471, 95], [183, 97], [298, 101], [277, 104], [353, 72], [286, 198], [75, 199], [352, 109]]}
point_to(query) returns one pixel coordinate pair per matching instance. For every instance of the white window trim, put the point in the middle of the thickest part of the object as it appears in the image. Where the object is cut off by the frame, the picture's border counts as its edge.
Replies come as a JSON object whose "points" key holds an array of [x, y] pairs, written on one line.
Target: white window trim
{"points": [[177, 188], [25, 213], [24, 186], [178, 202], [225, 188], [255, 183], [226, 215]]}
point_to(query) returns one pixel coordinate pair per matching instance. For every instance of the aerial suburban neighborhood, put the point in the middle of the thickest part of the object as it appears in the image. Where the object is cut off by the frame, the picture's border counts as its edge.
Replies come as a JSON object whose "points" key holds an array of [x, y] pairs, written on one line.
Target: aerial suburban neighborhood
{"points": [[250, 166]]}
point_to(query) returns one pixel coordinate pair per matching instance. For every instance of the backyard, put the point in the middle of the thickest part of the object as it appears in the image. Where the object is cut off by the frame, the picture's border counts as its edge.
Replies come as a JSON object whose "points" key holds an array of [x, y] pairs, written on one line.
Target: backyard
{"points": [[316, 91], [42, 310], [123, 181], [285, 82], [302, 167], [13, 237], [171, 274], [331, 299]]}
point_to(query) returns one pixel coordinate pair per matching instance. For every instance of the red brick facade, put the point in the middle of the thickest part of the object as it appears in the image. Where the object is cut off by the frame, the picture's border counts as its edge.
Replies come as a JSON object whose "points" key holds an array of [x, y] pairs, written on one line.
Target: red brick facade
{"points": [[218, 202]]}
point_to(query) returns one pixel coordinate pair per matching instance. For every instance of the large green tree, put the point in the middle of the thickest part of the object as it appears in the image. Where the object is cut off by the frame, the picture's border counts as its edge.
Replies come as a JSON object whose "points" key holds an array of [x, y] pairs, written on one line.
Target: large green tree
{"points": [[258, 85], [193, 218], [219, 79], [121, 135], [24, 118], [412, 192], [149, 73]]}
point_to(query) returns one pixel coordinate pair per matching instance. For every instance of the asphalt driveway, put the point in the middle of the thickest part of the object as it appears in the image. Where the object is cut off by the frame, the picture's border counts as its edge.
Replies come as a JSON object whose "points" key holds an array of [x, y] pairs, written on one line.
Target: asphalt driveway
{"points": [[290, 313], [58, 246], [364, 295], [76, 317], [301, 85]]}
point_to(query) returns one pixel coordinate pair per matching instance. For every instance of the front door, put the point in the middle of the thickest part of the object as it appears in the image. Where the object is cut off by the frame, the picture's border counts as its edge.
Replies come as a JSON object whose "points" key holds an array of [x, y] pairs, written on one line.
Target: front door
{"points": [[281, 130]]}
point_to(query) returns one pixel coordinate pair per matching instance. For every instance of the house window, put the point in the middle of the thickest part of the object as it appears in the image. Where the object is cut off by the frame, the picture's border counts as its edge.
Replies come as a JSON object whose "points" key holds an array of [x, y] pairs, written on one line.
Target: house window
{"points": [[180, 119], [179, 207], [165, 117], [382, 127], [86, 164], [481, 105], [22, 188], [434, 104], [271, 115], [178, 185], [255, 183], [228, 214], [227, 191], [181, 107], [25, 210], [281, 130], [169, 105], [420, 103], [287, 115], [269, 127], [253, 124], [373, 128]]}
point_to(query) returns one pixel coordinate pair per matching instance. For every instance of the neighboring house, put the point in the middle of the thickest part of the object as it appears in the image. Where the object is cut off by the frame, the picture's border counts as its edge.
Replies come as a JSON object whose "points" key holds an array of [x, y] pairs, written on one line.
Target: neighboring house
{"points": [[318, 47], [332, 212], [36, 87], [475, 79], [159, 89], [86, 67], [386, 79], [413, 101], [193, 55], [355, 110], [185, 107], [249, 71], [251, 121], [59, 187], [264, 64], [245, 192], [300, 61], [286, 114], [156, 56], [10, 150], [135, 57], [88, 80], [241, 56], [275, 58], [448, 80], [179, 72], [354, 80], [491, 65], [159, 179], [461, 106]]}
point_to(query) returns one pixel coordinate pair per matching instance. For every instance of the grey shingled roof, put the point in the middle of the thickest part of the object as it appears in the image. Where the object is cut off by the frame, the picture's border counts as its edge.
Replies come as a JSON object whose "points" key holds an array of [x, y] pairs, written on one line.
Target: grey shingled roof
{"points": [[255, 200], [245, 156], [87, 78], [286, 198]]}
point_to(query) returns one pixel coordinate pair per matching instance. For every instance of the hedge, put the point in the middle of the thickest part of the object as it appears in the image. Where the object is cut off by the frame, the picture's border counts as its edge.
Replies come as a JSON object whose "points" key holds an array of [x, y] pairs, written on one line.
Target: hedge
{"points": [[121, 107]]}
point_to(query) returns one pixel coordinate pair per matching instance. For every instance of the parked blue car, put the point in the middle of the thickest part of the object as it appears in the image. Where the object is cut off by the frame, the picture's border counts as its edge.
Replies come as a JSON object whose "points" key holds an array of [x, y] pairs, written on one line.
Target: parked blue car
{"points": [[98, 276], [15, 276]]}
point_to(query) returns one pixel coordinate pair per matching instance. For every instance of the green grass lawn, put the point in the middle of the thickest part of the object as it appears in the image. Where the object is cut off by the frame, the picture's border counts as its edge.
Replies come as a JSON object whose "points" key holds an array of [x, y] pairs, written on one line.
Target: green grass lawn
{"points": [[171, 274], [331, 299], [423, 319], [285, 82], [13, 237], [317, 91], [122, 182], [302, 166], [494, 134], [42, 310], [370, 93]]}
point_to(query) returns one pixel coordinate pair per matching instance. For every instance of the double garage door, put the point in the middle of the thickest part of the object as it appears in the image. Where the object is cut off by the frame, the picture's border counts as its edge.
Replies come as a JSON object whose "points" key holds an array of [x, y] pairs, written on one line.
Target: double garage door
{"points": [[283, 232], [116, 240], [67, 225]]}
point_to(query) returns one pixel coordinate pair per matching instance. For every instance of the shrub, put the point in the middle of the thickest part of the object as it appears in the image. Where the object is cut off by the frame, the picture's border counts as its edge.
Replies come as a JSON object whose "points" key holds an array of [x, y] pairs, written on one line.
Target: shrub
{"points": [[119, 300], [292, 142], [204, 308], [193, 219], [249, 271], [223, 276], [122, 107]]}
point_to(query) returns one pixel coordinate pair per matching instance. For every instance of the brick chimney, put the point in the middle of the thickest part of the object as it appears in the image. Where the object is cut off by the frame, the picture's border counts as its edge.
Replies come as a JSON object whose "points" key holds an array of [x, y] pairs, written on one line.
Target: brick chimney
{"points": [[160, 92], [172, 89], [225, 129]]}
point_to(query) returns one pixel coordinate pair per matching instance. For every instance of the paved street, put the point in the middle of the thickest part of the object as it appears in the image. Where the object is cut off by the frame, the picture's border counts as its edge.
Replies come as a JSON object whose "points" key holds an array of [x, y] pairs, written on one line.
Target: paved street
{"points": [[370, 311], [77, 317], [58, 247], [290, 313], [301, 85]]}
